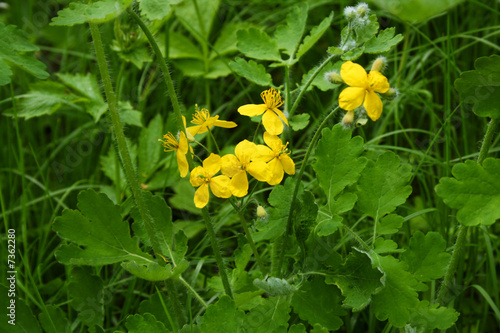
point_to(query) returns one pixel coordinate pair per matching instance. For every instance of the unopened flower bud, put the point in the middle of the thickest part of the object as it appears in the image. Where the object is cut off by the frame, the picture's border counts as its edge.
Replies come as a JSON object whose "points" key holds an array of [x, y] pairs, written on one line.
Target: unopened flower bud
{"points": [[190, 137], [333, 77], [362, 10], [261, 212], [390, 94], [348, 119], [379, 64], [350, 13], [361, 121]]}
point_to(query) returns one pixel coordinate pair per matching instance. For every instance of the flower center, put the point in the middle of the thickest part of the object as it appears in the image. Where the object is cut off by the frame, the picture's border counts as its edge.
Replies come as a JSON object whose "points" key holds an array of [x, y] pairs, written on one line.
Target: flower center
{"points": [[200, 117], [170, 143], [271, 98]]}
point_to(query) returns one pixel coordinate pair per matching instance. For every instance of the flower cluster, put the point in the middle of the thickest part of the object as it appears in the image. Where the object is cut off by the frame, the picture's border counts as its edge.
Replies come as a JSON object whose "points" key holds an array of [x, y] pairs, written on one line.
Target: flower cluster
{"points": [[227, 176]]}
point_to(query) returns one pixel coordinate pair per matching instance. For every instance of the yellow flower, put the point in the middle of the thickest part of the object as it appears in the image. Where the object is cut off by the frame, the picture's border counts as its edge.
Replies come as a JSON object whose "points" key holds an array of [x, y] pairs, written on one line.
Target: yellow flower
{"points": [[203, 178], [277, 158], [237, 166], [362, 89], [181, 149], [273, 117], [204, 122]]}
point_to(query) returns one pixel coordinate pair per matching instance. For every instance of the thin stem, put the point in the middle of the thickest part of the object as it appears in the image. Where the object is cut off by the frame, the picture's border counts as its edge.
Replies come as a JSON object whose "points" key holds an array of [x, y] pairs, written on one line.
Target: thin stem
{"points": [[356, 237], [192, 291], [298, 179], [248, 236], [120, 137], [308, 83], [218, 256], [488, 136], [213, 140], [174, 298]]}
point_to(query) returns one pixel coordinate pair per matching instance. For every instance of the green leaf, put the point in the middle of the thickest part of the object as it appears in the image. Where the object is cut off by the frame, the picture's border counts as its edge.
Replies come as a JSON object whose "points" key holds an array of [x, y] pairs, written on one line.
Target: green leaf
{"points": [[383, 185], [136, 55], [13, 45], [383, 42], [269, 316], [299, 121], [280, 199], [329, 219], [416, 10], [222, 317], [144, 323], [429, 317], [87, 87], [299, 328], [154, 272], [474, 192], [191, 67], [218, 68], [226, 42], [356, 279], [289, 35], [481, 87], [425, 257], [18, 318], [157, 9], [87, 294], [389, 224], [181, 47], [251, 71], [97, 233], [367, 30], [53, 320], [320, 81], [257, 44], [398, 298], [110, 162], [275, 287], [314, 35], [382, 245], [319, 303], [99, 12], [149, 148], [128, 115], [183, 197], [353, 54], [198, 27], [160, 306]]}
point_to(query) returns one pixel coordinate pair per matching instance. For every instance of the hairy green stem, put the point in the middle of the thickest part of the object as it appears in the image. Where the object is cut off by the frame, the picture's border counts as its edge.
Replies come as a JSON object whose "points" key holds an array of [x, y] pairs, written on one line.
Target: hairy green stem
{"points": [[120, 137], [462, 231], [174, 298], [192, 291], [298, 179], [164, 68], [218, 256]]}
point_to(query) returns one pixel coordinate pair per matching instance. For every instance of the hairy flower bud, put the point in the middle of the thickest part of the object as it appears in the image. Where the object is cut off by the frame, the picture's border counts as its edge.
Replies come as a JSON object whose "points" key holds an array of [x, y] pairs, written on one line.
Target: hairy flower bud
{"points": [[348, 119], [379, 64], [261, 212], [333, 77]]}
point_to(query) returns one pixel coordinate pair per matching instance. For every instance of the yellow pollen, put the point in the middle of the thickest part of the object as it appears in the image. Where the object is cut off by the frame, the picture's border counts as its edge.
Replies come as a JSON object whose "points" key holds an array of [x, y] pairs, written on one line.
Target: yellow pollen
{"points": [[200, 117], [271, 98], [170, 143]]}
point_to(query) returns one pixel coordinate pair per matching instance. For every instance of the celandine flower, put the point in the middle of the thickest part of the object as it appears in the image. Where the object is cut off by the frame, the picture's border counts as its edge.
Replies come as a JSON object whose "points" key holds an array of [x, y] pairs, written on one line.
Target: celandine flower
{"points": [[273, 117], [204, 122], [181, 148], [203, 178], [237, 166], [362, 90], [277, 158]]}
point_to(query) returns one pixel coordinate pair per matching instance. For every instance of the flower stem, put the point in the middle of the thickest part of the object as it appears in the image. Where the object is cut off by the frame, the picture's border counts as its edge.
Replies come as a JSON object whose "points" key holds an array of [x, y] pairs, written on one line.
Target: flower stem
{"points": [[215, 248], [191, 289], [298, 179], [248, 236], [174, 298], [120, 137], [462, 231]]}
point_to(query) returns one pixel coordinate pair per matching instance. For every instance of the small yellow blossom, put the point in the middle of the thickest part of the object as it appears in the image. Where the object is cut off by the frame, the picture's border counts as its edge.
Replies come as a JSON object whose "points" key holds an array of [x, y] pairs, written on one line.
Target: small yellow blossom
{"points": [[362, 89], [204, 122], [181, 149], [237, 166], [203, 178], [273, 118], [277, 158]]}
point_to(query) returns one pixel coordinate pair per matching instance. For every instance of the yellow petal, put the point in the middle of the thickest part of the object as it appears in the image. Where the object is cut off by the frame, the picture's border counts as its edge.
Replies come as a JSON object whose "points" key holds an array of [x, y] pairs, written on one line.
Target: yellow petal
{"points": [[208, 124], [225, 124], [263, 153], [212, 165], [182, 163], [230, 165], [252, 110], [351, 98], [239, 184], [373, 105], [354, 75], [378, 82], [193, 130], [274, 142], [272, 123], [281, 115], [288, 164], [245, 150], [276, 172], [197, 176], [183, 143], [201, 196], [220, 186], [259, 170]]}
